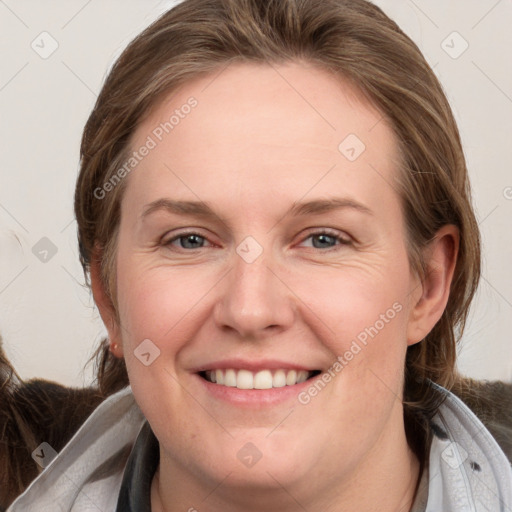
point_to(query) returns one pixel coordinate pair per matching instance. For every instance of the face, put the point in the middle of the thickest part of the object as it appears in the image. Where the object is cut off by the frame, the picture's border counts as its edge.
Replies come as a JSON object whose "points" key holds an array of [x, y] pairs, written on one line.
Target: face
{"points": [[262, 244]]}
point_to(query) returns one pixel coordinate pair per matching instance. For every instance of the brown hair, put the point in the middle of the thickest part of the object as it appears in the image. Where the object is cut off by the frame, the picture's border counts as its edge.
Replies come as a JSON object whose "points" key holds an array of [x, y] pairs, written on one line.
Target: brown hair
{"points": [[353, 39]]}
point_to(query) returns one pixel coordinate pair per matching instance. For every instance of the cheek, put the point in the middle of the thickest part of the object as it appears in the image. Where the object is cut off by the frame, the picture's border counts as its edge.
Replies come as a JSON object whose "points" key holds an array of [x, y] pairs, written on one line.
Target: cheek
{"points": [[157, 303], [364, 317], [359, 305]]}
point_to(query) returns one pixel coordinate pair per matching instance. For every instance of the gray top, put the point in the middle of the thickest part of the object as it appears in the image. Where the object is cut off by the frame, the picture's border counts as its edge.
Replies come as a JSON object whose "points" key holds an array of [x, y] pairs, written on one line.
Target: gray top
{"points": [[468, 471]]}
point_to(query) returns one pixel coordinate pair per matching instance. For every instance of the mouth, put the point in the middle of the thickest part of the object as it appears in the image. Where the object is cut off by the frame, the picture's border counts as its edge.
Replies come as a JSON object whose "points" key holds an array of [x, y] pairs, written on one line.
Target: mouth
{"points": [[262, 379]]}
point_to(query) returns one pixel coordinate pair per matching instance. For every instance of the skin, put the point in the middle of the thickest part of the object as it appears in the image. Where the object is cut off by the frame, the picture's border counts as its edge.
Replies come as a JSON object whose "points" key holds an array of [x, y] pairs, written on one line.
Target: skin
{"points": [[260, 139]]}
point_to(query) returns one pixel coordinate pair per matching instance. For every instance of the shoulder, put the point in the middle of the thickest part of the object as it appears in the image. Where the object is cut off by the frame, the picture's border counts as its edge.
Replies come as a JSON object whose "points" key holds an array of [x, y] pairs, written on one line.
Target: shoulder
{"points": [[91, 464], [491, 402], [465, 460]]}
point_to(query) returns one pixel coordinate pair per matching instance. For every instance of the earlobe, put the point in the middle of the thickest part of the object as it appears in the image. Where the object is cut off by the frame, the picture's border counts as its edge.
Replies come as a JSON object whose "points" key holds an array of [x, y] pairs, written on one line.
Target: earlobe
{"points": [[105, 306], [434, 290]]}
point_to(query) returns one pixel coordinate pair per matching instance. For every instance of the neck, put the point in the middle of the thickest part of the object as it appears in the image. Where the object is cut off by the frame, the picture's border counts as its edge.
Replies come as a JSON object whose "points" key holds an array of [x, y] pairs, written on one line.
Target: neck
{"points": [[385, 481]]}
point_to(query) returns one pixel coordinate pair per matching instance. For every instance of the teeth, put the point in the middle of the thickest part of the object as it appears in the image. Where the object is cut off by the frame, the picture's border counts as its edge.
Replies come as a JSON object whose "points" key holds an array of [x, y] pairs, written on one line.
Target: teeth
{"points": [[264, 379], [279, 379], [244, 380], [230, 378], [291, 378], [302, 376]]}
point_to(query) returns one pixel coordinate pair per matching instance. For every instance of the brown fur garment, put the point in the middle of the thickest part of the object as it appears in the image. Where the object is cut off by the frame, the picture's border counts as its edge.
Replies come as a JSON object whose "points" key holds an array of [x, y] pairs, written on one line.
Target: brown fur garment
{"points": [[33, 412]]}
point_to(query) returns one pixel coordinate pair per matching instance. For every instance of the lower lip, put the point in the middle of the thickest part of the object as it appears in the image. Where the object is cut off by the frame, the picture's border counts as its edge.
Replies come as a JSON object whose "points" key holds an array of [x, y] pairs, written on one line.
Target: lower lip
{"points": [[254, 398]]}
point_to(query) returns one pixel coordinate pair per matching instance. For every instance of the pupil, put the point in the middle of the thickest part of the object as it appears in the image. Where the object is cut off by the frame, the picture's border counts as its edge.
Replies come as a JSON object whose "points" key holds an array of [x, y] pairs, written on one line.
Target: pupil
{"points": [[322, 238], [188, 238]]}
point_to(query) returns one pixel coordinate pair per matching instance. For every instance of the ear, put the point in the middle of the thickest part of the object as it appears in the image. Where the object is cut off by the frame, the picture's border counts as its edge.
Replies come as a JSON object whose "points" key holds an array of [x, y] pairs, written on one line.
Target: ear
{"points": [[431, 296], [105, 306]]}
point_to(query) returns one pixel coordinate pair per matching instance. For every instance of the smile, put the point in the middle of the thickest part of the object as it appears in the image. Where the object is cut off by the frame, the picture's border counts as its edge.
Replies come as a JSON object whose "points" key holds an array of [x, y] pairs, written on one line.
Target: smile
{"points": [[263, 379]]}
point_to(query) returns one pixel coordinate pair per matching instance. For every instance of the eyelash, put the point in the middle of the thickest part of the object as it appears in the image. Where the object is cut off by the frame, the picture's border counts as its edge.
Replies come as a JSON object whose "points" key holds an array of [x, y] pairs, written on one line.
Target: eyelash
{"points": [[330, 233]]}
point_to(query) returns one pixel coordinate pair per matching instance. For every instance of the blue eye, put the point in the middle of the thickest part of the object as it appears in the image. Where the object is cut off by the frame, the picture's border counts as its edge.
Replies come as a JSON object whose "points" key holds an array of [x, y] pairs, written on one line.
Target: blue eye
{"points": [[188, 241], [327, 239]]}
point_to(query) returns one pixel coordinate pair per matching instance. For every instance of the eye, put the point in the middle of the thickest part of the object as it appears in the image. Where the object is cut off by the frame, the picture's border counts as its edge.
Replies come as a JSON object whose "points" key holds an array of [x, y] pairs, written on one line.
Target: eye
{"points": [[186, 241], [327, 239]]}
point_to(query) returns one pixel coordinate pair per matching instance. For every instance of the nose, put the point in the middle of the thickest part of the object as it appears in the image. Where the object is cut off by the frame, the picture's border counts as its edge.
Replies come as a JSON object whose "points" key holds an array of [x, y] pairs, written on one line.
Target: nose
{"points": [[255, 301]]}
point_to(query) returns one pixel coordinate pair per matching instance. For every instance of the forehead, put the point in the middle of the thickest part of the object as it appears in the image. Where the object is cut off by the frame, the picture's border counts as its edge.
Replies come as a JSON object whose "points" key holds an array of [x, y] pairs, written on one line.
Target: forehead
{"points": [[261, 128]]}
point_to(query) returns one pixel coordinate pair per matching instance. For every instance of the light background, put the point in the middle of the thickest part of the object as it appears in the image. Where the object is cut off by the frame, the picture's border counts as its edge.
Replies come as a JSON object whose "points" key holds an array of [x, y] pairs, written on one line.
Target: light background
{"points": [[48, 320]]}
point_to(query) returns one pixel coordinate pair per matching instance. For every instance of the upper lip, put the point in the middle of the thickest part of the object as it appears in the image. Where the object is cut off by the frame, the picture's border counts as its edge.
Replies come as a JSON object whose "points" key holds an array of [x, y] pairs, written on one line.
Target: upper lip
{"points": [[254, 366]]}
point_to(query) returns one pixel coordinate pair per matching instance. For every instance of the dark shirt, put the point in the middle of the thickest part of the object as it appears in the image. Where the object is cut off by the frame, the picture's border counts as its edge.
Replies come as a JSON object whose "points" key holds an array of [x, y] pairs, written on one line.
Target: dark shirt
{"points": [[135, 493]]}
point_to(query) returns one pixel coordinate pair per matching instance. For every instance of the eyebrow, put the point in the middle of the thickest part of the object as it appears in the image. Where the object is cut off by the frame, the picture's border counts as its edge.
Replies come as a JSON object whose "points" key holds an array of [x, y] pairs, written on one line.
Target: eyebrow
{"points": [[202, 209]]}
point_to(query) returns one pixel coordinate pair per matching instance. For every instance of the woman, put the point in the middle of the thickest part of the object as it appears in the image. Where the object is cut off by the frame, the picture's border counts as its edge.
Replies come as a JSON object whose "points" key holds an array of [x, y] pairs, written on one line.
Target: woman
{"points": [[275, 215]]}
